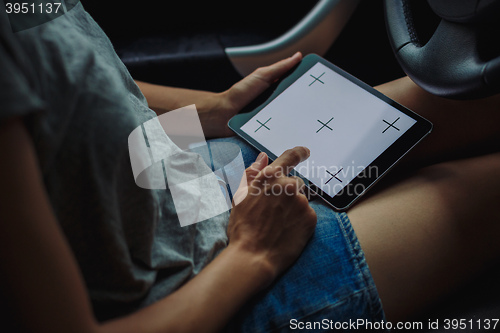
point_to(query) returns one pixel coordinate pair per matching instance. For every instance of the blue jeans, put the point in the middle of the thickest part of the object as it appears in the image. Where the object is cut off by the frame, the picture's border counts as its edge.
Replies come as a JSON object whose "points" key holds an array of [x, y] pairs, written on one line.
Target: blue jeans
{"points": [[329, 286]]}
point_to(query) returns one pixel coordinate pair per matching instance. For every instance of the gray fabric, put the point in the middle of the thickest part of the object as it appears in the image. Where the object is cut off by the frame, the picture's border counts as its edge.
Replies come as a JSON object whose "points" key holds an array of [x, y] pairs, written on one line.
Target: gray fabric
{"points": [[80, 104]]}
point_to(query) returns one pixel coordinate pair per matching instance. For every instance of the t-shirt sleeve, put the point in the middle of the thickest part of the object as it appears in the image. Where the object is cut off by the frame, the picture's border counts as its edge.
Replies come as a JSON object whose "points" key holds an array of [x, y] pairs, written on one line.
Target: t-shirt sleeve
{"points": [[17, 97]]}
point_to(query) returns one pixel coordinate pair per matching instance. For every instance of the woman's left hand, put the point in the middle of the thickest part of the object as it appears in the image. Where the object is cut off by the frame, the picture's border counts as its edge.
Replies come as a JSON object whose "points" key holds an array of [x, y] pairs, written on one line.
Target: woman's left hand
{"points": [[231, 101]]}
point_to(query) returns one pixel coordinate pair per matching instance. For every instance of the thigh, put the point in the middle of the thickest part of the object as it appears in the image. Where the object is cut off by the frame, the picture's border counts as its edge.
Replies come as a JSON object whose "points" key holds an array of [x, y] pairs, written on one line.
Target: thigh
{"points": [[427, 234]]}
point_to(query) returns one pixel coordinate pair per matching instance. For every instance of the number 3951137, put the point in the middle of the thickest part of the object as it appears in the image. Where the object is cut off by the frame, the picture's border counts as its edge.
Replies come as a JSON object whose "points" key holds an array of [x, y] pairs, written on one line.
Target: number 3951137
{"points": [[31, 8]]}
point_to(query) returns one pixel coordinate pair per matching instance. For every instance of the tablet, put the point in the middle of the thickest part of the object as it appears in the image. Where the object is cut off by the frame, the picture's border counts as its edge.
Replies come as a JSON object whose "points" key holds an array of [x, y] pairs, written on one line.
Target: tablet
{"points": [[355, 133]]}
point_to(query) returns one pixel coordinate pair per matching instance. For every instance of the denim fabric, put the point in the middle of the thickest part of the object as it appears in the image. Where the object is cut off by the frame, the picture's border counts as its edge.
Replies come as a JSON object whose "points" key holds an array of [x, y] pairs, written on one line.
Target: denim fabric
{"points": [[329, 286]]}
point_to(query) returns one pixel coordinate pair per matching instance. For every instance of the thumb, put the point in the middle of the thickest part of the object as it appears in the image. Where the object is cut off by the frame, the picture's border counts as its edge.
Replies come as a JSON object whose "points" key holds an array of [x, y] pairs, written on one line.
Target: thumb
{"points": [[260, 163], [246, 90]]}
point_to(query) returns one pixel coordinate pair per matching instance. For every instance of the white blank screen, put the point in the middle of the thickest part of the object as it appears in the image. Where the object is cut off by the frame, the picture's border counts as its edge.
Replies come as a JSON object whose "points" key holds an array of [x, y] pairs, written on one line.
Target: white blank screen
{"points": [[344, 126]]}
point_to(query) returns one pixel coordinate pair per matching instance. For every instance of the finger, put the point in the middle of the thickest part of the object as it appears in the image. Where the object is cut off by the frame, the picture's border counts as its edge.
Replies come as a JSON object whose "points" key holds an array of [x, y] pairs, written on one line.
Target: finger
{"points": [[249, 174], [284, 164], [300, 184], [260, 163], [246, 90], [292, 185], [269, 74]]}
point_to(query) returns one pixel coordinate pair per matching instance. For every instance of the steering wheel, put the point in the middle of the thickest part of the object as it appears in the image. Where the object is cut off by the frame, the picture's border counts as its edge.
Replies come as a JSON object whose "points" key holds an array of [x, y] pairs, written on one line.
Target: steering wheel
{"points": [[461, 60]]}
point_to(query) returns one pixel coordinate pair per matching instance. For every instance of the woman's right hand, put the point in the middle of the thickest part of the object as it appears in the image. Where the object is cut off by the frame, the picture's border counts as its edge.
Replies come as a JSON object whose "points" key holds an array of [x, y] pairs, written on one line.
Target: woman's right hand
{"points": [[272, 219]]}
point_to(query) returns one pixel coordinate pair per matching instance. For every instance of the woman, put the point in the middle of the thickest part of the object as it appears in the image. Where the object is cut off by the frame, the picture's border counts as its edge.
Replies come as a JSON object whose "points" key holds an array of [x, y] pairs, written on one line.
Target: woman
{"points": [[80, 241]]}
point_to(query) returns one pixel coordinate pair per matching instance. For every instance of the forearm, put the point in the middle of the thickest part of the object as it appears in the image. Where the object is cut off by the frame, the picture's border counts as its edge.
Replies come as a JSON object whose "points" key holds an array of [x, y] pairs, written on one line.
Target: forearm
{"points": [[215, 109], [207, 302], [163, 99], [461, 128]]}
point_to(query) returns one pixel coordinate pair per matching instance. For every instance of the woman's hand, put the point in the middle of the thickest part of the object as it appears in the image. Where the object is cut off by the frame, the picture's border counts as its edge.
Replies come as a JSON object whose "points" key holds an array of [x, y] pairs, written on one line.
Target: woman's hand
{"points": [[228, 103], [215, 109], [272, 219]]}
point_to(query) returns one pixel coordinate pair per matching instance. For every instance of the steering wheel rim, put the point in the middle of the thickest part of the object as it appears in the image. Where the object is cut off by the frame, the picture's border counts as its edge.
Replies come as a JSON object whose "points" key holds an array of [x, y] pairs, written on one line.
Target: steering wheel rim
{"points": [[450, 64]]}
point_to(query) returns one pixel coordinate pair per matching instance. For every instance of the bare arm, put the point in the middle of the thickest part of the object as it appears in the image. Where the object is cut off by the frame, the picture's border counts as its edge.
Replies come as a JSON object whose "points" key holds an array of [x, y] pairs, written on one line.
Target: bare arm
{"points": [[42, 282], [163, 98], [215, 109], [206, 302], [39, 274]]}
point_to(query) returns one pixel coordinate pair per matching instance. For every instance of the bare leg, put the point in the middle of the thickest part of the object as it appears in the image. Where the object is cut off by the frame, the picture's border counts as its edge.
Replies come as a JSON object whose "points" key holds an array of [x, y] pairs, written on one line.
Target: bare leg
{"points": [[461, 128], [425, 236]]}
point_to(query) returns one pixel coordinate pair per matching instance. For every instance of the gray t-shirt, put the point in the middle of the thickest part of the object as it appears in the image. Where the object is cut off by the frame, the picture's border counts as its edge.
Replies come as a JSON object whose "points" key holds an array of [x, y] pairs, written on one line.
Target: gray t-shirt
{"points": [[80, 104]]}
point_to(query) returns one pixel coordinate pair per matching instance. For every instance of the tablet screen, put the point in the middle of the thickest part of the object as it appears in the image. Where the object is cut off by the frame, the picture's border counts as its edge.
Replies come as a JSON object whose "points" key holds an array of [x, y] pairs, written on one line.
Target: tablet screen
{"points": [[345, 127]]}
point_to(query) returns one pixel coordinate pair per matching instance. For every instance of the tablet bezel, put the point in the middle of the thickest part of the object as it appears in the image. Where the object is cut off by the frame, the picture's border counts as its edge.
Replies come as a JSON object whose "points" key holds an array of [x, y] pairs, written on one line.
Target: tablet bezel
{"points": [[383, 163]]}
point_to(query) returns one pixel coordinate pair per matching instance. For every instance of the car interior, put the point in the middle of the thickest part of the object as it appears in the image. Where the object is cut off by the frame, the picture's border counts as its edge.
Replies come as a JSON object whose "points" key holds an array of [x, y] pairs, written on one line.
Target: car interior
{"points": [[212, 45]]}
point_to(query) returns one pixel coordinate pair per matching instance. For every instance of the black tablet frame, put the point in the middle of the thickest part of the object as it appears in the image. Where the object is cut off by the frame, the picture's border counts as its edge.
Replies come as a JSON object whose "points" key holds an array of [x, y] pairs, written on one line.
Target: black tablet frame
{"points": [[383, 163]]}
